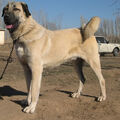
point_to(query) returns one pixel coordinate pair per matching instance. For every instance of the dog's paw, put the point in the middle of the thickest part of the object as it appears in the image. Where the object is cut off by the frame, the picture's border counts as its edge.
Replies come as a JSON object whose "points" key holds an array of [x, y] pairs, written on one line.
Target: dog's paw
{"points": [[75, 95], [101, 98], [30, 108]]}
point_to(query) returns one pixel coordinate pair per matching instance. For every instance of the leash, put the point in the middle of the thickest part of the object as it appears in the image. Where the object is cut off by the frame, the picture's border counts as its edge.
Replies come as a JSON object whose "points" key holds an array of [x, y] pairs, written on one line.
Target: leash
{"points": [[8, 60]]}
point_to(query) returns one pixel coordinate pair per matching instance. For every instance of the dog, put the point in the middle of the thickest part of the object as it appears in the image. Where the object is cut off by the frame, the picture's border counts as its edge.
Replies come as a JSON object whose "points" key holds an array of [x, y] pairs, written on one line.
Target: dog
{"points": [[38, 48]]}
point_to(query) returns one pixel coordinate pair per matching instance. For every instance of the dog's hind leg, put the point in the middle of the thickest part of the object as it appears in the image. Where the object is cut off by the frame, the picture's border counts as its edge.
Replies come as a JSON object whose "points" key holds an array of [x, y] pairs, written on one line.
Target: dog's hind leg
{"points": [[89, 52], [78, 67], [94, 62]]}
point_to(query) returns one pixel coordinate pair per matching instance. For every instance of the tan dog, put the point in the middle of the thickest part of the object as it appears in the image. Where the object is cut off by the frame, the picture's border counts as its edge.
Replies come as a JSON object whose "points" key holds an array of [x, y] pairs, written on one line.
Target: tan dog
{"points": [[38, 48]]}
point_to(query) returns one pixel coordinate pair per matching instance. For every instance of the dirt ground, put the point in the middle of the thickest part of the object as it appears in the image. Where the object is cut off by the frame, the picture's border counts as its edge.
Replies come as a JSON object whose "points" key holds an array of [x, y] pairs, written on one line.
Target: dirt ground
{"points": [[58, 83]]}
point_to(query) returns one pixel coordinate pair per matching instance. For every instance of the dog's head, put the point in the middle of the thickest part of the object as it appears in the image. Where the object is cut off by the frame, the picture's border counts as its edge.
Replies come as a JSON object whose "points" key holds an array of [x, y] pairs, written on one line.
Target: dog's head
{"points": [[15, 13]]}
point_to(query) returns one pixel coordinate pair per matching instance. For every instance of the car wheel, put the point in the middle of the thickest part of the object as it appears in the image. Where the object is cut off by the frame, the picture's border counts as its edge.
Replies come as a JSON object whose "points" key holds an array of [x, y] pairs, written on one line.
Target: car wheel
{"points": [[116, 52]]}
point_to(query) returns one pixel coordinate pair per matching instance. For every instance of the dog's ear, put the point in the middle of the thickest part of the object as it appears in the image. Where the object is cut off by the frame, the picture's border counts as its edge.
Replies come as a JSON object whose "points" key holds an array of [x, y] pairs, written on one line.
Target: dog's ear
{"points": [[25, 9], [3, 11]]}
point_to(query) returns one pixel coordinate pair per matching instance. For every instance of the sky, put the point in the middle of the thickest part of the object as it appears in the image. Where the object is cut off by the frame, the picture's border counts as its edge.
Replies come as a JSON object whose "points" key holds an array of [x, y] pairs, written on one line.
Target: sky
{"points": [[69, 11]]}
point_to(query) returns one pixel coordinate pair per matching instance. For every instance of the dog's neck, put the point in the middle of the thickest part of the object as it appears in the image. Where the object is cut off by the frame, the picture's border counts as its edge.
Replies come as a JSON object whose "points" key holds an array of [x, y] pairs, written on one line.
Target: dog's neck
{"points": [[24, 28]]}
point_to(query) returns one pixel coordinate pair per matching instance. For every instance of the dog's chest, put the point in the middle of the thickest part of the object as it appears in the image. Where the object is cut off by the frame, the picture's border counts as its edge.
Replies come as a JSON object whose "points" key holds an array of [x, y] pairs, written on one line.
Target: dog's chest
{"points": [[21, 51]]}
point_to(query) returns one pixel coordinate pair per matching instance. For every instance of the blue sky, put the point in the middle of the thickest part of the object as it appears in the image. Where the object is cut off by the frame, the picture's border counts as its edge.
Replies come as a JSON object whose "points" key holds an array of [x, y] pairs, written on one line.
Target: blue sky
{"points": [[71, 10]]}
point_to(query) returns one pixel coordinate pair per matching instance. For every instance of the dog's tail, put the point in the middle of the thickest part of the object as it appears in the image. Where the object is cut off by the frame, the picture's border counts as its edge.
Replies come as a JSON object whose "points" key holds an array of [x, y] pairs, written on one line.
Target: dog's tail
{"points": [[90, 28]]}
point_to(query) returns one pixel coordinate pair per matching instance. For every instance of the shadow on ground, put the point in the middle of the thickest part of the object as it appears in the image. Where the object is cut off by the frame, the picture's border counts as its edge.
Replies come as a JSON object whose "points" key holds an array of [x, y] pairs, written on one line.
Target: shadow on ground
{"points": [[70, 93], [9, 91]]}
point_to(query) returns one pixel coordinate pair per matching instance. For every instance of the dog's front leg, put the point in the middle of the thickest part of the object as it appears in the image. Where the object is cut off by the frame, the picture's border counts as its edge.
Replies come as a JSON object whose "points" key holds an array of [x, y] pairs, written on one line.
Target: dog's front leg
{"points": [[28, 76], [36, 69]]}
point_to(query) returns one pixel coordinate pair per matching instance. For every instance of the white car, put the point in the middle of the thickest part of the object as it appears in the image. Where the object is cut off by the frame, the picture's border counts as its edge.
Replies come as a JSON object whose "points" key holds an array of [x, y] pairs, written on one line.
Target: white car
{"points": [[105, 47]]}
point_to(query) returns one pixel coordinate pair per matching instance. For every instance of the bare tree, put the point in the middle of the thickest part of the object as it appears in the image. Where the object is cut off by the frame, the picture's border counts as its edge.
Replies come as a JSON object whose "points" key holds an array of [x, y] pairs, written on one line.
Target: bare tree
{"points": [[116, 4], [117, 26], [42, 18], [83, 21]]}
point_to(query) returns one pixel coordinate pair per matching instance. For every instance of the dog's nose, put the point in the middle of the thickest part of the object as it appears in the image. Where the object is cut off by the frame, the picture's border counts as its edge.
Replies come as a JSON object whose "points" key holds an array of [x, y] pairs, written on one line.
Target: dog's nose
{"points": [[6, 17]]}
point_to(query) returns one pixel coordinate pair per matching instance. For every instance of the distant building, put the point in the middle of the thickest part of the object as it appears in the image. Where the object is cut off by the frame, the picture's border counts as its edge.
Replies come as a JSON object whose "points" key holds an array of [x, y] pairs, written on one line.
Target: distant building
{"points": [[2, 36]]}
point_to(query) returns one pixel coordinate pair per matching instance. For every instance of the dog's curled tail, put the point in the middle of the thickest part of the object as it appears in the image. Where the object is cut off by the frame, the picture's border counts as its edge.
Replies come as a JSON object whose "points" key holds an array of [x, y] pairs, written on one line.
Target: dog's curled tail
{"points": [[90, 28]]}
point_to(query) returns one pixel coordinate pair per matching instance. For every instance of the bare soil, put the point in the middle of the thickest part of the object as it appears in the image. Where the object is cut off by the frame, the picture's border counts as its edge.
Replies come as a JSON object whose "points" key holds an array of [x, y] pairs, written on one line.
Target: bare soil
{"points": [[58, 83]]}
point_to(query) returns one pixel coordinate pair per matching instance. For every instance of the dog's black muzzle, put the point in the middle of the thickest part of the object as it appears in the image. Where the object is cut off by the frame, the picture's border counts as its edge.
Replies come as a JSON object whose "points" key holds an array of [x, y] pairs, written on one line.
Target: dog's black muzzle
{"points": [[9, 18], [11, 22]]}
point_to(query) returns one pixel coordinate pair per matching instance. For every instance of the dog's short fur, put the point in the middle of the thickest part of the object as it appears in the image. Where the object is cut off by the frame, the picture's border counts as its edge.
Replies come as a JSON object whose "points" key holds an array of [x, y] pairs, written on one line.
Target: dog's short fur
{"points": [[38, 48]]}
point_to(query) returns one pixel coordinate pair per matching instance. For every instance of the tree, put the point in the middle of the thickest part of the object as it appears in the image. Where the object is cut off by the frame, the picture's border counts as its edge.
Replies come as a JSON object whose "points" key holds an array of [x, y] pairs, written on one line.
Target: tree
{"points": [[42, 18], [83, 21], [116, 4]]}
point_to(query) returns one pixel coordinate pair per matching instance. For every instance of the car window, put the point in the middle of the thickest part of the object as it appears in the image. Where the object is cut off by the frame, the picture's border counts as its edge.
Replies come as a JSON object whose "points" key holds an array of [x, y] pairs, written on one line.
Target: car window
{"points": [[100, 40]]}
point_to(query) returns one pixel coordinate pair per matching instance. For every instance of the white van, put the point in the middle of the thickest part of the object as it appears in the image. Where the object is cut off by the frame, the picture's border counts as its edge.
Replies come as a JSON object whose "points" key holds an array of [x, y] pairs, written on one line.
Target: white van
{"points": [[105, 47]]}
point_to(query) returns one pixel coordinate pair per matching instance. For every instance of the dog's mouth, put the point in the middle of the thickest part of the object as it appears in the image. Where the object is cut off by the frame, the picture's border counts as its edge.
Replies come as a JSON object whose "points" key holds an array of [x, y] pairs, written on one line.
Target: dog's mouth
{"points": [[10, 22], [11, 26]]}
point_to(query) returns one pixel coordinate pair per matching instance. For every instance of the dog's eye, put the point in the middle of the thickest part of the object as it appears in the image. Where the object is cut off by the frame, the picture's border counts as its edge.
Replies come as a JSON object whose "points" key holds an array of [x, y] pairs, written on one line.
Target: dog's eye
{"points": [[5, 9], [16, 9]]}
